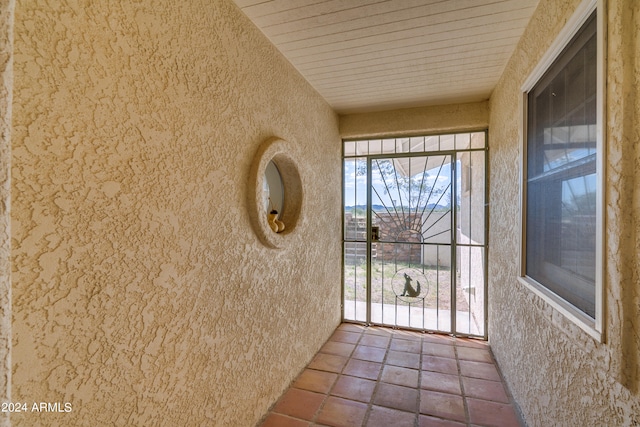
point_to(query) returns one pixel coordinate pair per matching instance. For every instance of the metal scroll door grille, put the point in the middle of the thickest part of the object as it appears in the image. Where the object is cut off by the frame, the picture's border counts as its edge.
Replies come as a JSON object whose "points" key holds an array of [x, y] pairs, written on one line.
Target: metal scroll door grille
{"points": [[415, 233]]}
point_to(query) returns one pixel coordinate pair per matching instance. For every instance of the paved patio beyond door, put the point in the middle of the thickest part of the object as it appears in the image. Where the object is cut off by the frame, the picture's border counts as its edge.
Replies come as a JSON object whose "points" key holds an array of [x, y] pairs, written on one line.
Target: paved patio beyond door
{"points": [[411, 317]]}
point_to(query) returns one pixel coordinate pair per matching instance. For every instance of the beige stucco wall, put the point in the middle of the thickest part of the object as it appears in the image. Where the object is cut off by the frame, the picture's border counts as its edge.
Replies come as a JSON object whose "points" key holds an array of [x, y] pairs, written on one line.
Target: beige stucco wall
{"points": [[558, 374], [6, 83], [141, 294], [413, 121]]}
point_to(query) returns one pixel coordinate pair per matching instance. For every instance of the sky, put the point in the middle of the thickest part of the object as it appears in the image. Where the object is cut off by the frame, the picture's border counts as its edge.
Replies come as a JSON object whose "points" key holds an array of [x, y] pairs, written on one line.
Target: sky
{"points": [[356, 192]]}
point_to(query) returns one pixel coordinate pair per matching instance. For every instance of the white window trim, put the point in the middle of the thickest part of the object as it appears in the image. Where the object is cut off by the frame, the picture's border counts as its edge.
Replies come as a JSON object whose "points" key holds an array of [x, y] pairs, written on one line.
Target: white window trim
{"points": [[594, 327]]}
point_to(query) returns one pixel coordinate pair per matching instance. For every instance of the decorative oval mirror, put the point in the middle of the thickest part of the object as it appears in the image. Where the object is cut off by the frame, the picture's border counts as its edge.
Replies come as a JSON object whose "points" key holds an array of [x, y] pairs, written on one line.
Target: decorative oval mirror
{"points": [[273, 190]]}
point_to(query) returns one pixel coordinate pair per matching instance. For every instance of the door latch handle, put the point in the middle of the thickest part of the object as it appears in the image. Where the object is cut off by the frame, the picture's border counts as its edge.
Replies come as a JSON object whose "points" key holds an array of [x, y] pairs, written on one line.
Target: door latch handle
{"points": [[375, 233]]}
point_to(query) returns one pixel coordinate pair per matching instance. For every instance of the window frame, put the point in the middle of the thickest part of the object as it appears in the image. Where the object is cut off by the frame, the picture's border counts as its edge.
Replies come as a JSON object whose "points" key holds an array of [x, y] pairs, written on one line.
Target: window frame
{"points": [[593, 326]]}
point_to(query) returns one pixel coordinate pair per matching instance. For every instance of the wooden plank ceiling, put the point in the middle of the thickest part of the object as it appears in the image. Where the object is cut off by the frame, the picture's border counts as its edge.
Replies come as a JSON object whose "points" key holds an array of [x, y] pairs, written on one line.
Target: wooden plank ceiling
{"points": [[367, 55]]}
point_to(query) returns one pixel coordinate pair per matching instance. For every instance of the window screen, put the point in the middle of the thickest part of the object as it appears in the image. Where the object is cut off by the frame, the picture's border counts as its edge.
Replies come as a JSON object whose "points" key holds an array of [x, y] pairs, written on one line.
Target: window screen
{"points": [[561, 174]]}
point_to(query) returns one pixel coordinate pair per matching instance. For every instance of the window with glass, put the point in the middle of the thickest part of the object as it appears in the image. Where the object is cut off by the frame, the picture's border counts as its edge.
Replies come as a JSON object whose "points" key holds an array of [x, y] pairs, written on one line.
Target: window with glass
{"points": [[561, 174]]}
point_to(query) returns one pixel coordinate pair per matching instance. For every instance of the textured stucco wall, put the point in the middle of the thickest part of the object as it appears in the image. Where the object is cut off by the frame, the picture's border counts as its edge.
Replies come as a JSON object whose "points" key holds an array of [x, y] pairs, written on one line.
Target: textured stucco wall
{"points": [[558, 374], [141, 294], [6, 85], [433, 119]]}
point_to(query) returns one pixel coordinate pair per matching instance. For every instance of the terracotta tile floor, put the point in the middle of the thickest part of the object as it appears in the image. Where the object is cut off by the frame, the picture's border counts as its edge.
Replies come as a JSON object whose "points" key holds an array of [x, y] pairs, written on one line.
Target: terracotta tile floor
{"points": [[371, 376]]}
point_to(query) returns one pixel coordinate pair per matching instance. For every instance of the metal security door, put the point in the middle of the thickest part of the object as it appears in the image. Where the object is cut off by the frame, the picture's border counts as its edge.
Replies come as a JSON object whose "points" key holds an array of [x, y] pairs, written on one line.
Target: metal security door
{"points": [[412, 255]]}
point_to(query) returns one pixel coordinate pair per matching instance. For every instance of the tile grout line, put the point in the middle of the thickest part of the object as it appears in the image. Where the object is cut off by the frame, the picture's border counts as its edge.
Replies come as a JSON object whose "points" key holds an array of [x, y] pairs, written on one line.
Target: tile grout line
{"points": [[328, 393], [420, 354], [367, 414], [462, 393]]}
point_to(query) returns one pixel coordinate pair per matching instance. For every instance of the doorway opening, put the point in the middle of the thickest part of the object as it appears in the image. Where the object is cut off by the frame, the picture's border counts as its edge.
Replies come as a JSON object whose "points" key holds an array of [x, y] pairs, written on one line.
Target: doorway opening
{"points": [[415, 233]]}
